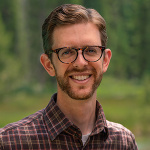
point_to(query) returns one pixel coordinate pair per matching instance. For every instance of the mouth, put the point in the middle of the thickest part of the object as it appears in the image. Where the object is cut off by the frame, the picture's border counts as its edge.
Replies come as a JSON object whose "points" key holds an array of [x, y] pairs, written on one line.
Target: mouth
{"points": [[80, 77]]}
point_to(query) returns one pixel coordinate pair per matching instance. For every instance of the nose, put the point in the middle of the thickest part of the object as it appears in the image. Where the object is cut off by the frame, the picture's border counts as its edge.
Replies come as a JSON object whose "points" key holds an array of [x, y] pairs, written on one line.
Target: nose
{"points": [[80, 62]]}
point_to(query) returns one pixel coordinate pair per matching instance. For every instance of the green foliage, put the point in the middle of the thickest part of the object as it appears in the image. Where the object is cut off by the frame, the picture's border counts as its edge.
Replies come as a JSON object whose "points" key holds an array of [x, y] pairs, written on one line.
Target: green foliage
{"points": [[8, 73]]}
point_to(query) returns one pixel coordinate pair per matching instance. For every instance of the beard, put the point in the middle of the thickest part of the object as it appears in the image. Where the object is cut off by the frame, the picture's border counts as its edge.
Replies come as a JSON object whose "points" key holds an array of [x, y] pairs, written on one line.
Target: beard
{"points": [[64, 85]]}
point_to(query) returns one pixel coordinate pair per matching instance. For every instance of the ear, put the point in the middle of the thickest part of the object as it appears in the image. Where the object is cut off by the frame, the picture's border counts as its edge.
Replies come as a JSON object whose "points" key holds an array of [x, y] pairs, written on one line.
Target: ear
{"points": [[46, 62], [106, 59]]}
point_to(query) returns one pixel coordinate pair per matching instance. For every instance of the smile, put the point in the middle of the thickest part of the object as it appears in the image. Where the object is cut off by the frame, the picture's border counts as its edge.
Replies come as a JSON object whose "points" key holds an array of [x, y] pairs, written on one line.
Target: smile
{"points": [[81, 77]]}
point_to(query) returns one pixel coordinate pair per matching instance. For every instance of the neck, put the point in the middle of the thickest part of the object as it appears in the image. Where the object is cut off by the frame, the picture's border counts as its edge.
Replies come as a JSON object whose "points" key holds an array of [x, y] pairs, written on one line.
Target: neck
{"points": [[80, 112]]}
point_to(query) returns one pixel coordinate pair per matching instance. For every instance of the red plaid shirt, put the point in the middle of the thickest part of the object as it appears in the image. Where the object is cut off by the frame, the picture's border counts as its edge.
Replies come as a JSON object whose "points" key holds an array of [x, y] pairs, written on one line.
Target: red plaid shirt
{"points": [[49, 129]]}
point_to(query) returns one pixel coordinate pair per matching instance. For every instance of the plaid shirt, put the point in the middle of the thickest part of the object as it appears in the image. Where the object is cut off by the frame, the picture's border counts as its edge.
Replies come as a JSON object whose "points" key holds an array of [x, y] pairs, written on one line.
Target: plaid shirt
{"points": [[49, 129]]}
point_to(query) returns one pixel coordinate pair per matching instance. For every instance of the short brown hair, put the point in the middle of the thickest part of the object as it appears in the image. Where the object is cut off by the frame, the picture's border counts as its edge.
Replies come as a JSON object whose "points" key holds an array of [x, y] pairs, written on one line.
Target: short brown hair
{"points": [[71, 14]]}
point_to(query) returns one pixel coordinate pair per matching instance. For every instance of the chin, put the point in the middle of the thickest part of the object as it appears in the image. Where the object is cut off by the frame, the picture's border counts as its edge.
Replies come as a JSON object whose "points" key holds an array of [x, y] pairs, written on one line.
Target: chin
{"points": [[81, 95]]}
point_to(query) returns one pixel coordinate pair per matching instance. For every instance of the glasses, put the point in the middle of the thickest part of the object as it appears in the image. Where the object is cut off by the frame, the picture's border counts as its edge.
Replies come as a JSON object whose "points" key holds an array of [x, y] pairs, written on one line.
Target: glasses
{"points": [[68, 55]]}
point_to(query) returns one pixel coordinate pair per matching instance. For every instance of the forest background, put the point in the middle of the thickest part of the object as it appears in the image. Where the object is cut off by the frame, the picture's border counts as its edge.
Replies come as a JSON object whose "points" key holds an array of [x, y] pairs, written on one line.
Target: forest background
{"points": [[25, 87]]}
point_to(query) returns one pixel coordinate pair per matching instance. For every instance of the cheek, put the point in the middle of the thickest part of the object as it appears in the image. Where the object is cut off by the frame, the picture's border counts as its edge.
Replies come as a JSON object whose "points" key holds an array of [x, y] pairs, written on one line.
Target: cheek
{"points": [[98, 66], [60, 68]]}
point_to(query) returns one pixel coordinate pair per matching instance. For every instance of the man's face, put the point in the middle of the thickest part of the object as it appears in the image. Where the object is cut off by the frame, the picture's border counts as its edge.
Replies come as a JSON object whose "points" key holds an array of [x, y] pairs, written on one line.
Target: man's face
{"points": [[80, 79]]}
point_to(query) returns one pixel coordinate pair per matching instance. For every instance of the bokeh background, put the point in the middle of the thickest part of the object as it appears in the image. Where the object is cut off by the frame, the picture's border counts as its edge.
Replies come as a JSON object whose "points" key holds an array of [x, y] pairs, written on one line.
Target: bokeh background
{"points": [[25, 87]]}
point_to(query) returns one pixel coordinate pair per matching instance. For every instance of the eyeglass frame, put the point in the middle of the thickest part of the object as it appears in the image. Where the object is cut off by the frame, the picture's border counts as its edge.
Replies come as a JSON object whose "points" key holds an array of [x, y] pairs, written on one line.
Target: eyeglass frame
{"points": [[76, 49]]}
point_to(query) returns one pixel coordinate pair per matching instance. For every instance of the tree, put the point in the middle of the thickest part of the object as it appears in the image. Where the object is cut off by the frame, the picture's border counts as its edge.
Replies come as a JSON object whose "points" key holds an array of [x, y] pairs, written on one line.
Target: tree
{"points": [[8, 63]]}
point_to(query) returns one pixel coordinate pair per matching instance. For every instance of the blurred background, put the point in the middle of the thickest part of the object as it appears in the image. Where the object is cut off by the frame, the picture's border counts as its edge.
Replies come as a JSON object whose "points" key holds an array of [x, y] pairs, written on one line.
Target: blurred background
{"points": [[25, 87]]}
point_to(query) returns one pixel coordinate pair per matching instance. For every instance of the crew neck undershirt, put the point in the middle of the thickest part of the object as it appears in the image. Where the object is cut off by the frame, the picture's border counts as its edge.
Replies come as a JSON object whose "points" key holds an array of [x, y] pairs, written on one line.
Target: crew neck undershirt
{"points": [[84, 138]]}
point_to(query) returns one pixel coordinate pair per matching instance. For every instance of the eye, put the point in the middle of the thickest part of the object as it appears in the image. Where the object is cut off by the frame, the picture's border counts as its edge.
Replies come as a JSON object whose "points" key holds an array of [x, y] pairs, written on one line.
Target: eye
{"points": [[90, 51], [66, 52]]}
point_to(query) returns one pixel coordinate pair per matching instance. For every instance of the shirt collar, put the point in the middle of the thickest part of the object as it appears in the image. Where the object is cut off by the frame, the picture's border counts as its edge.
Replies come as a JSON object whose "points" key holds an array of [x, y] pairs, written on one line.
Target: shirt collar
{"points": [[56, 122], [100, 125]]}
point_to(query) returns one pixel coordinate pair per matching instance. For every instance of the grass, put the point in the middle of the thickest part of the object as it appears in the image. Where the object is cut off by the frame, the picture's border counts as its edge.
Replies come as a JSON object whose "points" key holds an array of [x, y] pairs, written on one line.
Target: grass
{"points": [[123, 101]]}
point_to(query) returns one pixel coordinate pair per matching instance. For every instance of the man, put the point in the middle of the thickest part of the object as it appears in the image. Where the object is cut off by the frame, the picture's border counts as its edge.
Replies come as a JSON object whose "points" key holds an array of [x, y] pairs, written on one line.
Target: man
{"points": [[74, 40]]}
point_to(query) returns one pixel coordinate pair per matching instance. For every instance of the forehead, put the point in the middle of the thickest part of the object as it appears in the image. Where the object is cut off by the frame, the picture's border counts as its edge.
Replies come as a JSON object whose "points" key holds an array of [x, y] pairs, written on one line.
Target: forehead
{"points": [[76, 35]]}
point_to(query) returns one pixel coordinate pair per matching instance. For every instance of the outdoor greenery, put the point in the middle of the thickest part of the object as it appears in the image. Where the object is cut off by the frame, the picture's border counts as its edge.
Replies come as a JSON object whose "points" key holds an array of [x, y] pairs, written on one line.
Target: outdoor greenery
{"points": [[25, 87]]}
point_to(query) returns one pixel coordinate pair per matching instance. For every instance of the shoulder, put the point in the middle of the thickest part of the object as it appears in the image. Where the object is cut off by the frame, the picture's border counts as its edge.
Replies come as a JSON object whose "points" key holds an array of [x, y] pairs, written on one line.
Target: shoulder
{"points": [[116, 127], [18, 133], [21, 124], [118, 132]]}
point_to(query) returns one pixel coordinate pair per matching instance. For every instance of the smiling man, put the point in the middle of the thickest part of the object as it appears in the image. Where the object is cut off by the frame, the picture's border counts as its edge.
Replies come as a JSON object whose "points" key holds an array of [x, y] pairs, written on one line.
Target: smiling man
{"points": [[74, 41]]}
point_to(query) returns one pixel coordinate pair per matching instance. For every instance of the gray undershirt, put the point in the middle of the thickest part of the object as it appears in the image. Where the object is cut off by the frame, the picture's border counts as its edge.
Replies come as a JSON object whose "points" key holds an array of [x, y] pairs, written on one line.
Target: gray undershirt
{"points": [[84, 138]]}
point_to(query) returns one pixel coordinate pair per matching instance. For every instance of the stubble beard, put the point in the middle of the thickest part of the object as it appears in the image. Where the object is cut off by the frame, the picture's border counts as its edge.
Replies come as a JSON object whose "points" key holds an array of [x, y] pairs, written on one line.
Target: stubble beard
{"points": [[64, 85]]}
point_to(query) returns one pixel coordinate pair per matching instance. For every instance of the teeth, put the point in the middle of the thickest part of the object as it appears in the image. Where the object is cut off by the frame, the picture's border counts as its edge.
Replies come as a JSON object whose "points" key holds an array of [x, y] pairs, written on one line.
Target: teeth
{"points": [[81, 78]]}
